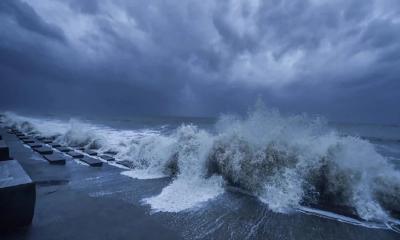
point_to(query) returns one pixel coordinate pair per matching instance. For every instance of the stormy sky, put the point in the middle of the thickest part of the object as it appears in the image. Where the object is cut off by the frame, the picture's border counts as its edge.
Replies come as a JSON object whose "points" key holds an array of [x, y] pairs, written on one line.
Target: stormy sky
{"points": [[337, 58]]}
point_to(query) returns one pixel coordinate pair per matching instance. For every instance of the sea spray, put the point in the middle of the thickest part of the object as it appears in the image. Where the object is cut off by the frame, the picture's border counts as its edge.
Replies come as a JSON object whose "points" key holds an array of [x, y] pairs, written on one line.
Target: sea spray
{"points": [[286, 161]]}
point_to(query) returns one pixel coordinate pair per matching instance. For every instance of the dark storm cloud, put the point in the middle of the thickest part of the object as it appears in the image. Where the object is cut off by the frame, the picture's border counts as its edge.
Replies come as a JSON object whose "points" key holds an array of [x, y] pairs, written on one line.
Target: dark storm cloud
{"points": [[337, 58], [27, 18]]}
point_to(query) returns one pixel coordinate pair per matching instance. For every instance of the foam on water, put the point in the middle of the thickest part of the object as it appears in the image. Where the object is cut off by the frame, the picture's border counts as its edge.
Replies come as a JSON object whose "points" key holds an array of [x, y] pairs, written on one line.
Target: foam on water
{"points": [[185, 194], [340, 218], [286, 161], [143, 174]]}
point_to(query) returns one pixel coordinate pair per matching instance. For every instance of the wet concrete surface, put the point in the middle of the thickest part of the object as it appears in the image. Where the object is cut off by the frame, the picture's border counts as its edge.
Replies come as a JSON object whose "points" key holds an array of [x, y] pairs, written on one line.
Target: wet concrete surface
{"points": [[74, 201]]}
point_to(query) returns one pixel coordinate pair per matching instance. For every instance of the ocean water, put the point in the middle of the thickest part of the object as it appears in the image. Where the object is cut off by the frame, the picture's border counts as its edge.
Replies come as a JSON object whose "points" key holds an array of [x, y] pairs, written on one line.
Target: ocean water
{"points": [[347, 172]]}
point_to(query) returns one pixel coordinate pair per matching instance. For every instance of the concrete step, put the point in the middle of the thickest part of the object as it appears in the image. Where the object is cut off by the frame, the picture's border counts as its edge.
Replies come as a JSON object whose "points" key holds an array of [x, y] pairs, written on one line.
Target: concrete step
{"points": [[91, 152], [63, 149], [44, 150], [24, 138], [17, 196], [93, 162], [15, 131], [126, 163], [55, 158], [54, 145], [75, 154], [28, 140], [35, 145], [4, 151], [113, 153], [107, 158]]}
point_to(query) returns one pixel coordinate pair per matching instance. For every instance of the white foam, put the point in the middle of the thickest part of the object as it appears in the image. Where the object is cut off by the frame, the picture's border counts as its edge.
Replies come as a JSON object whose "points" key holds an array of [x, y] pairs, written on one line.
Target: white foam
{"points": [[341, 218], [182, 194], [274, 157], [143, 174]]}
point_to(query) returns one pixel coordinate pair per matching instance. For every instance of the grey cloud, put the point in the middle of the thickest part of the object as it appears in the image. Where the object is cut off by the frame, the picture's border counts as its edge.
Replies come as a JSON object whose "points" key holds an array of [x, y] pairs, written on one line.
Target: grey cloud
{"points": [[27, 18], [155, 57], [87, 6]]}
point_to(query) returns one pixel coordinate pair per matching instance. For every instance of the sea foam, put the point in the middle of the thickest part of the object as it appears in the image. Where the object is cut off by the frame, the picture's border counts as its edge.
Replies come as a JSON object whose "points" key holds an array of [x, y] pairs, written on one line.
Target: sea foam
{"points": [[286, 161]]}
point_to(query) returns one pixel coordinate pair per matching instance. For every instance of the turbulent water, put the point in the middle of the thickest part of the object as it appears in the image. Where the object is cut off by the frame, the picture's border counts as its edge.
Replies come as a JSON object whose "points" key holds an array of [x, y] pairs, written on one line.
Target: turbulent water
{"points": [[288, 162]]}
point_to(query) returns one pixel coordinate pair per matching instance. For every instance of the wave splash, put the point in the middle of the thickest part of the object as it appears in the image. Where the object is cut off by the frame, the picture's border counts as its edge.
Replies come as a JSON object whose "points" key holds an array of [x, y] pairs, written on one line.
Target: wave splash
{"points": [[287, 162], [291, 161]]}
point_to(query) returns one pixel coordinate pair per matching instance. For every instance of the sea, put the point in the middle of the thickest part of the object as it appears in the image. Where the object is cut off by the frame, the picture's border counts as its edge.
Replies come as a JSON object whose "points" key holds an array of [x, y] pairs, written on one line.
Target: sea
{"points": [[262, 175]]}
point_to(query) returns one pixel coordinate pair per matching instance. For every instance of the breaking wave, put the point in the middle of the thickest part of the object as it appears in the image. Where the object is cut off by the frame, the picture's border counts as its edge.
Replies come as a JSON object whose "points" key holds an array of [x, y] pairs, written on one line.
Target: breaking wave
{"points": [[286, 161]]}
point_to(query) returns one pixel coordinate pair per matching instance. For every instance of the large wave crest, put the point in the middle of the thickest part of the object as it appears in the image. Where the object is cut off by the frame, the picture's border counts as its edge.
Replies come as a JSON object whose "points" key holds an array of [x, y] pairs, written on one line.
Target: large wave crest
{"points": [[286, 161]]}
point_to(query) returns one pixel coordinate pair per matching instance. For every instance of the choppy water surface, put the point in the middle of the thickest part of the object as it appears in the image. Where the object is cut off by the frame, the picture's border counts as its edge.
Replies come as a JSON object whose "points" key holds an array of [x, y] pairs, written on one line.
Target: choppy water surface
{"points": [[245, 172]]}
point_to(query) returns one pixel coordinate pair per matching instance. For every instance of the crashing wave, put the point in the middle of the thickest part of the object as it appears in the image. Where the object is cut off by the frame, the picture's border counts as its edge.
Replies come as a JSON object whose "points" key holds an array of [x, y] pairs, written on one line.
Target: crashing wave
{"points": [[287, 162]]}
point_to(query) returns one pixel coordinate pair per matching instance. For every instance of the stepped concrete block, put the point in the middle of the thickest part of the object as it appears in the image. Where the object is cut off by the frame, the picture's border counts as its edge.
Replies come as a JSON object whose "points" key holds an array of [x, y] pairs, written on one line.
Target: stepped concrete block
{"points": [[55, 158], [44, 150], [63, 149], [75, 154], [28, 140], [91, 152], [126, 163], [17, 196], [54, 145], [34, 145], [4, 151], [107, 158], [113, 153], [93, 162]]}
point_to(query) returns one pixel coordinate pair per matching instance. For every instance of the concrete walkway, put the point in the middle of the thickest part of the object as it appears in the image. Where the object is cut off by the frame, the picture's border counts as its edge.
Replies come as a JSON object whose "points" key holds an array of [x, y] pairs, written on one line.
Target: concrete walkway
{"points": [[75, 201]]}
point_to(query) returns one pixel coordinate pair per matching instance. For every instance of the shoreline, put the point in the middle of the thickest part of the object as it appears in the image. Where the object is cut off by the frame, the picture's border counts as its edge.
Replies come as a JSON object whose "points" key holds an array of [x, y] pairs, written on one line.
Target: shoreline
{"points": [[75, 201]]}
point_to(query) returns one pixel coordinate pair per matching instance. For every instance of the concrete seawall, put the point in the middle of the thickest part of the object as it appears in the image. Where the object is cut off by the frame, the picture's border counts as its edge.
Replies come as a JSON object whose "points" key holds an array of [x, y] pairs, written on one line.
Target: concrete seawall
{"points": [[67, 206]]}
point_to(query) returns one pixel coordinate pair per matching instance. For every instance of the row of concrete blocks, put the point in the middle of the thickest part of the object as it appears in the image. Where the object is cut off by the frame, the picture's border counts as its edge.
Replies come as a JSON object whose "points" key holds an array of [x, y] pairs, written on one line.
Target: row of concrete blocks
{"points": [[57, 158], [17, 192], [36, 144]]}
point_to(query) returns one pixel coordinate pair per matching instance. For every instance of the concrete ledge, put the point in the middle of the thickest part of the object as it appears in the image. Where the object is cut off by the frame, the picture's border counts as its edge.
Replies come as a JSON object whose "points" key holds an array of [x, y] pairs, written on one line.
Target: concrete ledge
{"points": [[112, 153], [75, 154], [11, 131], [47, 141], [91, 152], [34, 145], [17, 196], [55, 158], [107, 158], [54, 145], [44, 150], [126, 163], [4, 151], [63, 149], [28, 140], [20, 134], [91, 161]]}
